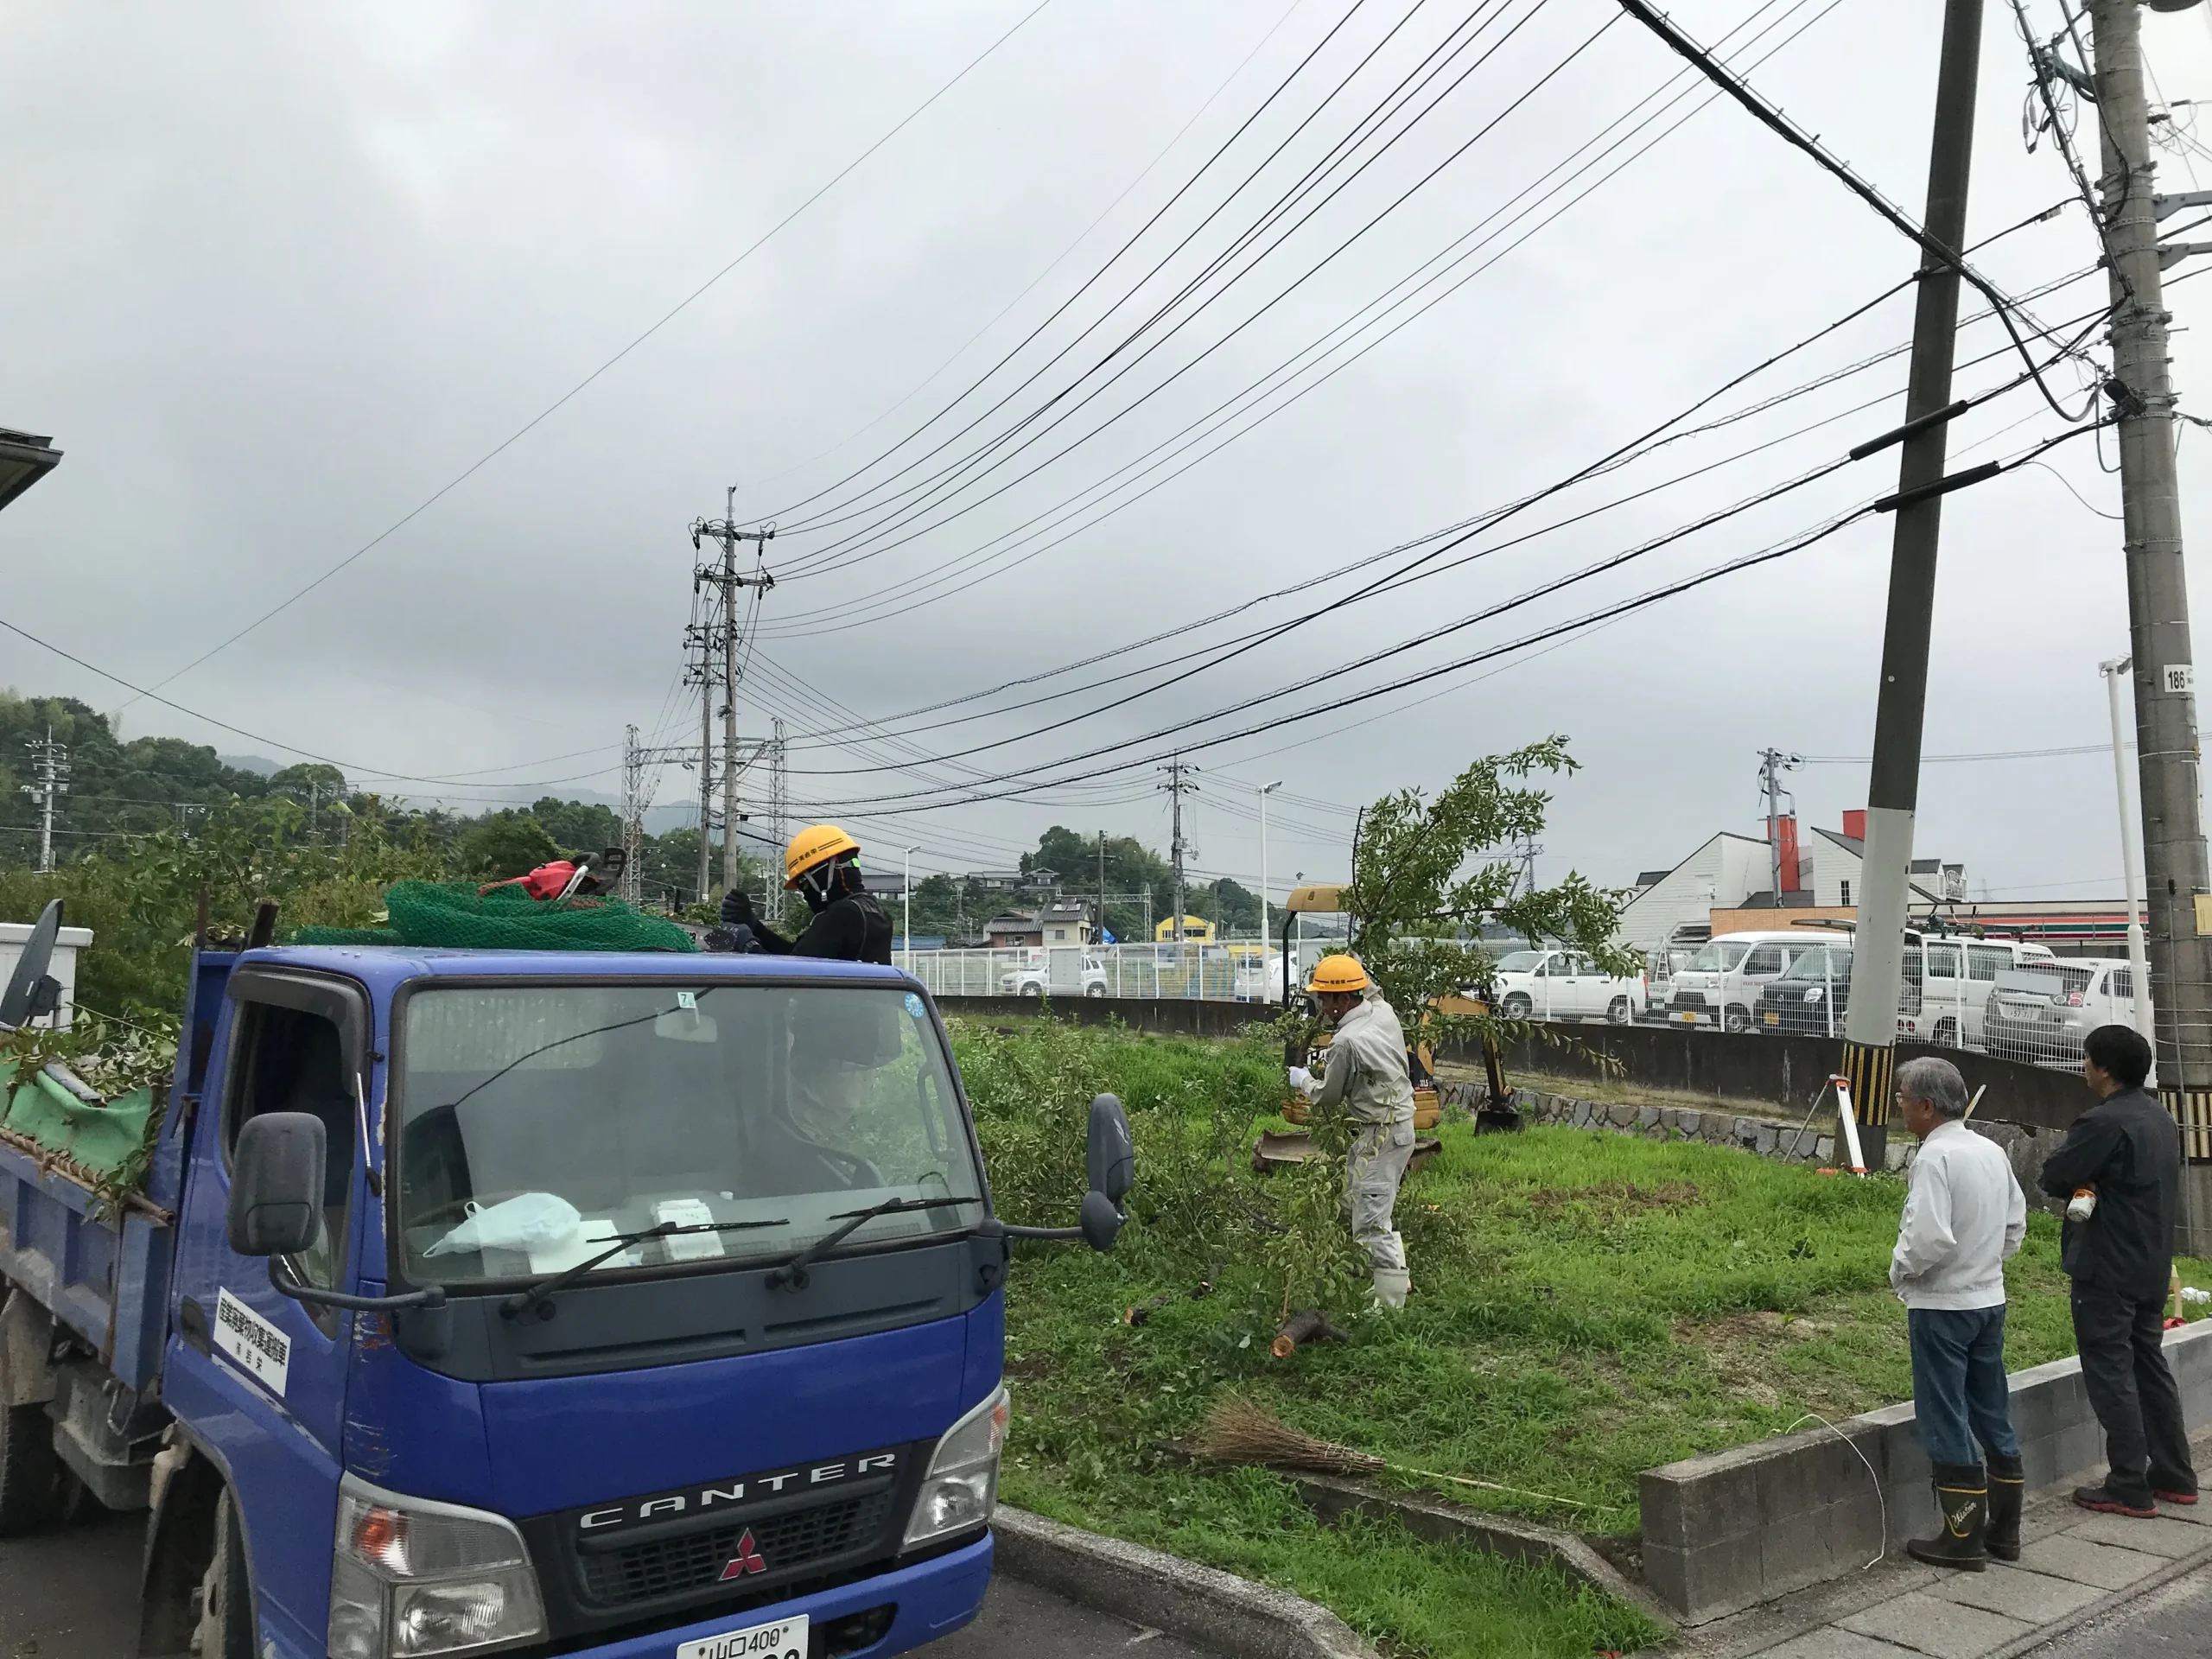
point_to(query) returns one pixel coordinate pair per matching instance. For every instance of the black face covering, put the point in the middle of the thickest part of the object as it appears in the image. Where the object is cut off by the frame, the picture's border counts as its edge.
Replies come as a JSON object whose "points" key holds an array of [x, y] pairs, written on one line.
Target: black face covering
{"points": [[824, 886]]}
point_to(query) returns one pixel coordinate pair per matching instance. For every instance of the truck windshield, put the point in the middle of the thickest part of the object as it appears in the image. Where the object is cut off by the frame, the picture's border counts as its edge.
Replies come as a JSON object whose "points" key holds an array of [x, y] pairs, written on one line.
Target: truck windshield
{"points": [[539, 1123]]}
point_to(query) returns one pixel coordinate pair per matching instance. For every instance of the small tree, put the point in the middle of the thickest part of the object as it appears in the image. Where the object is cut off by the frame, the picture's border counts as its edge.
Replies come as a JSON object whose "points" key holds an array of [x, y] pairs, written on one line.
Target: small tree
{"points": [[1422, 887]]}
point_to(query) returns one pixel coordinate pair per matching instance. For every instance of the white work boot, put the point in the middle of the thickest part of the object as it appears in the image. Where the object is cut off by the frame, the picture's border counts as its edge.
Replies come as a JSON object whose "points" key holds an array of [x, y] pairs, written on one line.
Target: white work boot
{"points": [[1391, 1286]]}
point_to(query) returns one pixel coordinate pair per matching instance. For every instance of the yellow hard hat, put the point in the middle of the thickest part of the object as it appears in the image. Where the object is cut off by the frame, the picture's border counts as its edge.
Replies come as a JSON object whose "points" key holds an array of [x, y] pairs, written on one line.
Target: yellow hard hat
{"points": [[1338, 975], [816, 844]]}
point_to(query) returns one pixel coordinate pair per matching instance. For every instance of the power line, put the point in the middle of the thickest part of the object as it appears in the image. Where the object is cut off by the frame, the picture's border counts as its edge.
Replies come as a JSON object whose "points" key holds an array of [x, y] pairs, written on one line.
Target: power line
{"points": [[665, 318]]}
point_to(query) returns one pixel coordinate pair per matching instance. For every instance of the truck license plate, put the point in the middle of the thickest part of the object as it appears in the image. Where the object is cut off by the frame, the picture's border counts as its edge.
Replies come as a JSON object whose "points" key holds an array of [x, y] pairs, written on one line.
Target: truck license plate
{"points": [[1772, 1018], [784, 1639]]}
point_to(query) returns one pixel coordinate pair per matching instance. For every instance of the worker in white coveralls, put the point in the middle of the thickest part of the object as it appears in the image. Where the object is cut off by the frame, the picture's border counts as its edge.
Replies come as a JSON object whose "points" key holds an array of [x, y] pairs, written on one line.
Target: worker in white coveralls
{"points": [[1365, 1071]]}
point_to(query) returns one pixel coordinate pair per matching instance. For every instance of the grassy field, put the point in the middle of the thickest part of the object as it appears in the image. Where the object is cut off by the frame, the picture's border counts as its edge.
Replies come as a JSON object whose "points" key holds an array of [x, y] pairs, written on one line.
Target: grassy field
{"points": [[1587, 1306]]}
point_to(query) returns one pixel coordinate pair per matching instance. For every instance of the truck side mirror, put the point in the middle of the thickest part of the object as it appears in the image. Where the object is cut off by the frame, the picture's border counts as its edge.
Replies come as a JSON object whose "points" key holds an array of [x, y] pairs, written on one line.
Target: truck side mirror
{"points": [[277, 1175], [1111, 1156]]}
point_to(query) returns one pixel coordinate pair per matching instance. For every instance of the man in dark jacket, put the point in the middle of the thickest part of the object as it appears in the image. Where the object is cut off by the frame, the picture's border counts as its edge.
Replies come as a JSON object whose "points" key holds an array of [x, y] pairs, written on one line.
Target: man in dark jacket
{"points": [[2125, 1151], [821, 864]]}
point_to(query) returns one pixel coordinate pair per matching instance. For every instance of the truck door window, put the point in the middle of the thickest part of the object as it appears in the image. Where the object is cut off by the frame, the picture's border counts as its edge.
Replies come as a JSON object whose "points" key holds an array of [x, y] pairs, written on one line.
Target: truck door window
{"points": [[1943, 962], [290, 1060], [1766, 960], [1985, 961]]}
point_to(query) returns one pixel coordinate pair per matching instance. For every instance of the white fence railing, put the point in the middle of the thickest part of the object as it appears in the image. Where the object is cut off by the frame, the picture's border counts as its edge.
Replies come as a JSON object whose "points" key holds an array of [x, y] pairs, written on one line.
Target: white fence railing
{"points": [[1227, 972]]}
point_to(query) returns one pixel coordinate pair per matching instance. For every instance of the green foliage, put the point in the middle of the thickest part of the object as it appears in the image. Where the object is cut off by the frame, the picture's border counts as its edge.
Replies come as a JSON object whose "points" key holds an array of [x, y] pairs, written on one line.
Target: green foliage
{"points": [[1421, 886], [501, 845]]}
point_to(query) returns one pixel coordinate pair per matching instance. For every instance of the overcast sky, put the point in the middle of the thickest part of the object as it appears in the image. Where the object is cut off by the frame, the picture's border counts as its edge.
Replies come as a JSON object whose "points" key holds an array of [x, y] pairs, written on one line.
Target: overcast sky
{"points": [[276, 274]]}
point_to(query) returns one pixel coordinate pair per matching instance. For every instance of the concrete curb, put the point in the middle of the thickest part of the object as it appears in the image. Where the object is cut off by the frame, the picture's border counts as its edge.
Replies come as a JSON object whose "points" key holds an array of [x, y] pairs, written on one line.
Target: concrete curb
{"points": [[1440, 1520], [1202, 1605]]}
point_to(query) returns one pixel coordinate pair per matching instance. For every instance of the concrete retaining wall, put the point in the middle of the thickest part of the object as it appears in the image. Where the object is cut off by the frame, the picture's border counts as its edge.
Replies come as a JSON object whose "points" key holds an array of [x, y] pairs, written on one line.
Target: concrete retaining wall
{"points": [[1812, 1144], [1779, 1072], [1728, 1531]]}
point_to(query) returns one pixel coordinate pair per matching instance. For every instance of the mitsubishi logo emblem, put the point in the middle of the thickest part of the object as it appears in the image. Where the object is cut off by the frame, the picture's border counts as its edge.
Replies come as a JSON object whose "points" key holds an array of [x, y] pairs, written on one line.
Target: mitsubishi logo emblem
{"points": [[747, 1559]]}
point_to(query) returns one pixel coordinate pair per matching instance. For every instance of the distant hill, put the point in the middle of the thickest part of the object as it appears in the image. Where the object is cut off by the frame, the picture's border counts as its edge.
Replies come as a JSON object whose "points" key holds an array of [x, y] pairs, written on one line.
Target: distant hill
{"points": [[260, 765]]}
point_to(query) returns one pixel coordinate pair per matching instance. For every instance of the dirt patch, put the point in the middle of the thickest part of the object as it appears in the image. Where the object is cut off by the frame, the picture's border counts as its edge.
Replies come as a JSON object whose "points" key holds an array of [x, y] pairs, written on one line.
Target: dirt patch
{"points": [[1622, 1197], [1742, 1347]]}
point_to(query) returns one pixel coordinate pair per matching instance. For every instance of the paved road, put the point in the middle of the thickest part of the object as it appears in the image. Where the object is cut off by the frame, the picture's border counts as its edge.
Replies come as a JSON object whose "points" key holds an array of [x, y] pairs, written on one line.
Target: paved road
{"points": [[74, 1595], [2171, 1621]]}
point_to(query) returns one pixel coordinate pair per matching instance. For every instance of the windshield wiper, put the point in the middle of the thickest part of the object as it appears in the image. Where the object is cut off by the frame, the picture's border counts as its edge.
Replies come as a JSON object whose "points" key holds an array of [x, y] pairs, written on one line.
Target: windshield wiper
{"points": [[539, 1296], [793, 1272]]}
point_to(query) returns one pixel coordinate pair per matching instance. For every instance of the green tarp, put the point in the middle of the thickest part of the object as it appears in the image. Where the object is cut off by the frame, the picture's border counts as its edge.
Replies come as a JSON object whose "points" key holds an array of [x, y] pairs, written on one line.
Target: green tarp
{"points": [[101, 1138]]}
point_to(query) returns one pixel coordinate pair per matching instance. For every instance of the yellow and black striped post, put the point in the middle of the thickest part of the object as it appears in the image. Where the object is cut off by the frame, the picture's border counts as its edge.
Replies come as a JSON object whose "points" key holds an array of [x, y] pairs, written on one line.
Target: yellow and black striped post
{"points": [[1872, 1072]]}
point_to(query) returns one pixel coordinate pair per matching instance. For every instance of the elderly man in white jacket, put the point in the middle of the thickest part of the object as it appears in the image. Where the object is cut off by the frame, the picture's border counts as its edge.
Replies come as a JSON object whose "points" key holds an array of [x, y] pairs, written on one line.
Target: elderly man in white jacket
{"points": [[1964, 1216]]}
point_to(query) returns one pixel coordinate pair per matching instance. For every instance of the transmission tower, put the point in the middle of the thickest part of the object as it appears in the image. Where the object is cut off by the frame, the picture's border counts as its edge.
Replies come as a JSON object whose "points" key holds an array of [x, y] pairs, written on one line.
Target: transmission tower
{"points": [[50, 779]]}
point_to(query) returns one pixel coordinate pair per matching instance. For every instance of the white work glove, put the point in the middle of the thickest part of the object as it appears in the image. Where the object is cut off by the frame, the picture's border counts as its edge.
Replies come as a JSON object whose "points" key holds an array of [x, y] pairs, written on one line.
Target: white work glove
{"points": [[1301, 1079]]}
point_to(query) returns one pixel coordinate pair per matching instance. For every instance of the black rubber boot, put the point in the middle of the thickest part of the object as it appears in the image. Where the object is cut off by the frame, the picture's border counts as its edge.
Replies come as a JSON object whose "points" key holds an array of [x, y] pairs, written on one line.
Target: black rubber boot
{"points": [[2008, 1484], [1962, 1502]]}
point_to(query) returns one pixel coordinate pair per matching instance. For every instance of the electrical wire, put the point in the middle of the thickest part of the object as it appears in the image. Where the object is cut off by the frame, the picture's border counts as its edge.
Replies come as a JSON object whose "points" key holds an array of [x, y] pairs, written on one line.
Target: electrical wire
{"points": [[1776, 121], [665, 318]]}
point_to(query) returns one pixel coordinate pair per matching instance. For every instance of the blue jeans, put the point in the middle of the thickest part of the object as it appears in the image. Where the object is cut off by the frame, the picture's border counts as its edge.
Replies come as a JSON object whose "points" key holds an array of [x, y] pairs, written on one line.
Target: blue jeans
{"points": [[1959, 1395]]}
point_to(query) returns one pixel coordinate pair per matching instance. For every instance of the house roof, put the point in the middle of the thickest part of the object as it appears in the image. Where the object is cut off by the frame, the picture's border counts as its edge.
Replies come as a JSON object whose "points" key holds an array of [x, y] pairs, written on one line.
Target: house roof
{"points": [[24, 460]]}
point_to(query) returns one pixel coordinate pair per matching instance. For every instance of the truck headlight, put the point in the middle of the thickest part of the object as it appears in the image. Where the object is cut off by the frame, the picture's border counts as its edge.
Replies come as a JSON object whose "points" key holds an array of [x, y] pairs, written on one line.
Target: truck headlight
{"points": [[410, 1576], [962, 1487]]}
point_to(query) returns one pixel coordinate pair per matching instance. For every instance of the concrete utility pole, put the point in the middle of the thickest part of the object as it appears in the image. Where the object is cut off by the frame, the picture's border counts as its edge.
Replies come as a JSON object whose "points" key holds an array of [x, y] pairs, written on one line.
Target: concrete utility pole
{"points": [[1177, 786], [1100, 930], [1772, 764], [779, 828], [2167, 767], [728, 582], [1870, 1028], [50, 778]]}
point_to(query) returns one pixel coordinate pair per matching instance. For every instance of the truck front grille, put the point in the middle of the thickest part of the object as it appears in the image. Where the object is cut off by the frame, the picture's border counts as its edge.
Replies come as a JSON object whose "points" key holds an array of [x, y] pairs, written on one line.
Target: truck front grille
{"points": [[670, 1567]]}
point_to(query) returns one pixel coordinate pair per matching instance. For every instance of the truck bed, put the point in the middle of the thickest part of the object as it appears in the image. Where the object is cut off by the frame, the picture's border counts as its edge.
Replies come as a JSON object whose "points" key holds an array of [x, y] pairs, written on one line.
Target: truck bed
{"points": [[103, 1276]]}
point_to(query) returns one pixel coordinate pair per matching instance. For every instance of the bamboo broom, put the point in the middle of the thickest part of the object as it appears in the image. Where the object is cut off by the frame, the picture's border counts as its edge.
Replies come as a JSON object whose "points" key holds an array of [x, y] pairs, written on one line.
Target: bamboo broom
{"points": [[1238, 1431]]}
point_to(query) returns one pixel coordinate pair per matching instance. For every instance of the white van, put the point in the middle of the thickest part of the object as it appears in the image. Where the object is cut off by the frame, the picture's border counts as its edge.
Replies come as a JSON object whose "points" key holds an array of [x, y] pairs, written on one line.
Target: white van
{"points": [[1957, 975], [1720, 985]]}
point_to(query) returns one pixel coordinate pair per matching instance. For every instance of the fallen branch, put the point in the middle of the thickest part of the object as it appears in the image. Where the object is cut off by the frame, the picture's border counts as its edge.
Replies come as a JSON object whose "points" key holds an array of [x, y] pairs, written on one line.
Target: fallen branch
{"points": [[1312, 1326]]}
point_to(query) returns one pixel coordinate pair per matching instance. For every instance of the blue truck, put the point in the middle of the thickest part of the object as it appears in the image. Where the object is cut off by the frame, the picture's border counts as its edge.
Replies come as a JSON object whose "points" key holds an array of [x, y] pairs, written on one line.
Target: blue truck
{"points": [[533, 1303]]}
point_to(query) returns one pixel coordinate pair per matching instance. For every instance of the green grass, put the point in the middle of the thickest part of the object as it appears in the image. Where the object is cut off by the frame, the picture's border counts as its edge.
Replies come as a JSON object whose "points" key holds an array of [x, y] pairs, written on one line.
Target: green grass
{"points": [[1588, 1305]]}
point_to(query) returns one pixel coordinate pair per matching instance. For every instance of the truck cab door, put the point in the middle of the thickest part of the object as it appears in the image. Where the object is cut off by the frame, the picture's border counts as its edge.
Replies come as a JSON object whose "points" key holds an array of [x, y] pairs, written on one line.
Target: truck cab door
{"points": [[259, 1378]]}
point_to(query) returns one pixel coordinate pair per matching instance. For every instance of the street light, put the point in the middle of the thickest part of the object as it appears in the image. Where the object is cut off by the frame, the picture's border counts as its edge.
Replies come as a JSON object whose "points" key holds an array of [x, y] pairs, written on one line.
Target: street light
{"points": [[2138, 968], [906, 899], [1266, 789]]}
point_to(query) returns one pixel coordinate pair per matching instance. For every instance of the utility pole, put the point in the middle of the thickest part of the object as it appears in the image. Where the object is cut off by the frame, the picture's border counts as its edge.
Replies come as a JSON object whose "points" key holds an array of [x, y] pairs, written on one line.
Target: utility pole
{"points": [[1266, 789], [1101, 929], [633, 812], [1772, 764], [728, 581], [2167, 768], [50, 774], [778, 817], [1869, 1028], [1177, 786], [2131, 860], [700, 637]]}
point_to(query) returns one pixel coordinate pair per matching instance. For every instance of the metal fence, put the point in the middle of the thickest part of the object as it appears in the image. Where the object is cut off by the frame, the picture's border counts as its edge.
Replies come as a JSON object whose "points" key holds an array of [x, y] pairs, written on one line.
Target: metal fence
{"points": [[1226, 973]]}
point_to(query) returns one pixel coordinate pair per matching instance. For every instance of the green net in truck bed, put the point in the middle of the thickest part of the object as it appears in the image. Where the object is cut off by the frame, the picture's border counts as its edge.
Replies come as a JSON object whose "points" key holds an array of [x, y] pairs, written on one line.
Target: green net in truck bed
{"points": [[435, 915], [104, 1141]]}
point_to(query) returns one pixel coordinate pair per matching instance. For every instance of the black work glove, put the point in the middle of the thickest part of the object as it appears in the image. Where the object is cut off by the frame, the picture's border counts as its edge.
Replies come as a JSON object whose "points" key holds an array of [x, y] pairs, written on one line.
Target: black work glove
{"points": [[737, 907]]}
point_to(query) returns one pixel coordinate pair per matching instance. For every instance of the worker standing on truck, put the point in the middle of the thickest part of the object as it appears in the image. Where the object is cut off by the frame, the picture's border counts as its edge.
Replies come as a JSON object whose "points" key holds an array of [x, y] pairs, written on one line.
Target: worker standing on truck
{"points": [[822, 864], [1366, 1072]]}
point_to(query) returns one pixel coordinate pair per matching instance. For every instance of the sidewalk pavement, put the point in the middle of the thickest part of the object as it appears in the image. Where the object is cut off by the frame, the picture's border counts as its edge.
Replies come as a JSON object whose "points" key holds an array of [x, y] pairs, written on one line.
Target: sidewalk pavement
{"points": [[2073, 1566]]}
